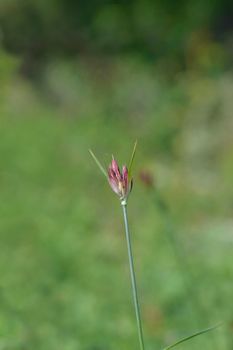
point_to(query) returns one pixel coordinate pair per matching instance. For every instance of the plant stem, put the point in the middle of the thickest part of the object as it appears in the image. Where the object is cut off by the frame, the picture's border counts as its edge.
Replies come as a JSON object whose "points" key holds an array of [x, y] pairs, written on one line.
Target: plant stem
{"points": [[133, 277]]}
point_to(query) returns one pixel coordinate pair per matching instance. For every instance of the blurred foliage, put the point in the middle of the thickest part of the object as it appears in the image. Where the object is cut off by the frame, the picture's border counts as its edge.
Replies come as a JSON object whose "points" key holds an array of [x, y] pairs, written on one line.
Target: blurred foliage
{"points": [[104, 74], [155, 28], [63, 260]]}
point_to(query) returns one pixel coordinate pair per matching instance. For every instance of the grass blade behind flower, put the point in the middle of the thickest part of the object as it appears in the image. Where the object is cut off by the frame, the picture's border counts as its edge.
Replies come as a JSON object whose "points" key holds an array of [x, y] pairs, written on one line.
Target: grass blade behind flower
{"points": [[132, 159], [100, 166], [192, 336]]}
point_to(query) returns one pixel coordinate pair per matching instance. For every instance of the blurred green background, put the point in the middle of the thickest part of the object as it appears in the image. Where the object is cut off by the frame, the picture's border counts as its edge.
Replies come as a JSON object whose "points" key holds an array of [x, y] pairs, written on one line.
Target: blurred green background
{"points": [[76, 75]]}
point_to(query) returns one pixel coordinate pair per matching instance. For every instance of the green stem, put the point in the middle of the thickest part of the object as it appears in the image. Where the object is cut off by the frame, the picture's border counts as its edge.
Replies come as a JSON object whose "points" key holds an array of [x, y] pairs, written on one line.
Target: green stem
{"points": [[133, 277]]}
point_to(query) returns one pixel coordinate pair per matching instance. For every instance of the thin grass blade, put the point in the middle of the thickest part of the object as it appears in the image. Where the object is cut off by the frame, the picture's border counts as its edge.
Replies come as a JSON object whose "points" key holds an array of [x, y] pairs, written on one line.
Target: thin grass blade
{"points": [[192, 336], [100, 166], [132, 159]]}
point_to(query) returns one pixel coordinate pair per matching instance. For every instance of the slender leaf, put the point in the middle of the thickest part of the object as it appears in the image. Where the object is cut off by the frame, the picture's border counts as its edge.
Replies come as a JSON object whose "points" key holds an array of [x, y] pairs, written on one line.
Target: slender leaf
{"points": [[132, 159], [98, 163], [192, 336]]}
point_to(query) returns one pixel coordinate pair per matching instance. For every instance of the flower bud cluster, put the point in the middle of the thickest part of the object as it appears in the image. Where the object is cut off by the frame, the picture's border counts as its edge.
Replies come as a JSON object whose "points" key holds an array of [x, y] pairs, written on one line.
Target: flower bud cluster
{"points": [[119, 181]]}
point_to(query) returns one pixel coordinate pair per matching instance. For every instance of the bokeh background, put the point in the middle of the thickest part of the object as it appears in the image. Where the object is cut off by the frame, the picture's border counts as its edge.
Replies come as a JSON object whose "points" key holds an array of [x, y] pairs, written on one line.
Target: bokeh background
{"points": [[94, 74]]}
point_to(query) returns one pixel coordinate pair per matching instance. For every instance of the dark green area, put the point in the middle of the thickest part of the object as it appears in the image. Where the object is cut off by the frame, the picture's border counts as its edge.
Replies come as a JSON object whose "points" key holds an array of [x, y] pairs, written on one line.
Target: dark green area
{"points": [[167, 29]]}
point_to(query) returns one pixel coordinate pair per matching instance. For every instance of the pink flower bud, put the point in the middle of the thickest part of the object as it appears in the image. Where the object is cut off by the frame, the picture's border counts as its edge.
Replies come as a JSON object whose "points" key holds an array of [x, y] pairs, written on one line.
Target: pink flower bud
{"points": [[115, 168], [118, 181]]}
